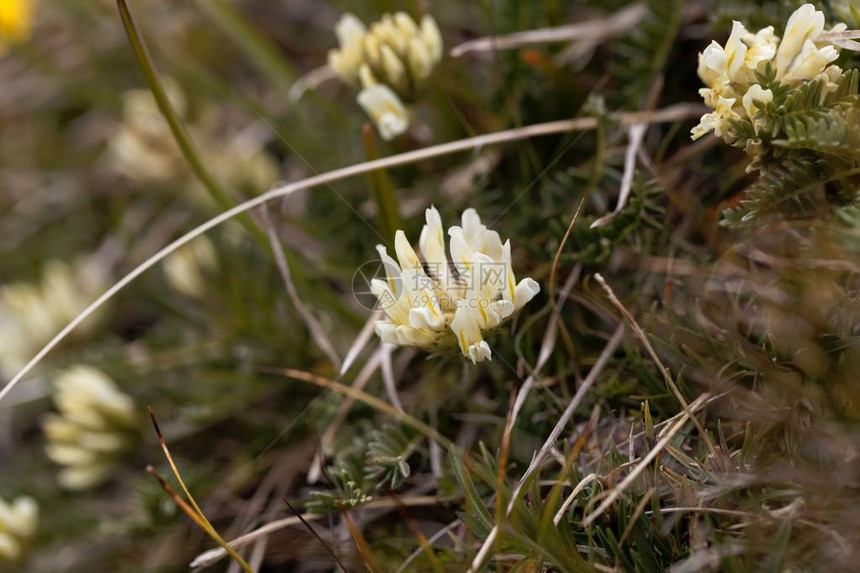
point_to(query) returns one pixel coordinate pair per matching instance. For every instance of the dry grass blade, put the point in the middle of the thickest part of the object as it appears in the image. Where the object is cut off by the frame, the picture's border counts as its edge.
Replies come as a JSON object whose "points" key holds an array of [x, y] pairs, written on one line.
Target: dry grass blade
{"points": [[640, 509], [595, 371], [653, 354], [423, 542], [212, 556], [583, 389], [175, 469], [594, 30], [436, 537], [313, 531], [371, 401], [200, 520], [547, 346], [635, 133], [572, 497], [844, 39], [360, 542], [616, 492], [328, 436], [360, 342], [669, 114], [314, 327], [311, 80], [388, 375]]}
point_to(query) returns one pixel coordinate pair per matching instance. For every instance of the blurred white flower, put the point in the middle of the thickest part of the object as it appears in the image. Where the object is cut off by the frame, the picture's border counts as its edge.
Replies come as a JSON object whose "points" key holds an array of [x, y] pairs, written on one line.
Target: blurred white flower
{"points": [[385, 109], [18, 521], [395, 53], [186, 269], [95, 427], [33, 313], [437, 303], [143, 147]]}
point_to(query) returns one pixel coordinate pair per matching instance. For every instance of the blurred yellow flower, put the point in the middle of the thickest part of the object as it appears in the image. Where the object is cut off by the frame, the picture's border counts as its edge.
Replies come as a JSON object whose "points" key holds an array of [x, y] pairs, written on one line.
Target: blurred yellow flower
{"points": [[18, 522], [96, 426], [16, 22]]}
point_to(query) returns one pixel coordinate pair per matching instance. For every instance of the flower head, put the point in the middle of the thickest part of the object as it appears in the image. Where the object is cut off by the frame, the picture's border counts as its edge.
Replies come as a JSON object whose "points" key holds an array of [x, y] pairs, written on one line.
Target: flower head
{"points": [[731, 72], [395, 53], [385, 109], [18, 522], [436, 302], [95, 427], [187, 268], [32, 313]]}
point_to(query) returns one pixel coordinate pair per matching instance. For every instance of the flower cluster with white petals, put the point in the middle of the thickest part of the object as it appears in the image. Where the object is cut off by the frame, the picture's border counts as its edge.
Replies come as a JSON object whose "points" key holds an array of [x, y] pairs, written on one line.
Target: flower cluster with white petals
{"points": [[18, 522], [33, 313], [437, 303], [95, 427], [144, 149], [731, 72], [389, 62]]}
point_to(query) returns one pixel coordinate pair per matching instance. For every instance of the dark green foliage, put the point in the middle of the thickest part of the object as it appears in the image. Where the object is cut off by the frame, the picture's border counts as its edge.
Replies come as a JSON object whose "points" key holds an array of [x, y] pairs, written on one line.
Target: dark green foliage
{"points": [[642, 56]]}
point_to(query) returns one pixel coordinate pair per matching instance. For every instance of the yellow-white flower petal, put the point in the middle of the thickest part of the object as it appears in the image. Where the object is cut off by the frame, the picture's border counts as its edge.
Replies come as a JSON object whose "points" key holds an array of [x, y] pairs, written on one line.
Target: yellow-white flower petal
{"points": [[805, 24], [756, 96], [431, 37], [385, 109]]}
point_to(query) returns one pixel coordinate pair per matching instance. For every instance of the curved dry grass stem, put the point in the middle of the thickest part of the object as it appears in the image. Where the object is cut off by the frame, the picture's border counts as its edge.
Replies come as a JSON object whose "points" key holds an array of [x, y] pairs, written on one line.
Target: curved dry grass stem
{"points": [[371, 401], [667, 376], [670, 114], [313, 325], [597, 29], [212, 556], [616, 492]]}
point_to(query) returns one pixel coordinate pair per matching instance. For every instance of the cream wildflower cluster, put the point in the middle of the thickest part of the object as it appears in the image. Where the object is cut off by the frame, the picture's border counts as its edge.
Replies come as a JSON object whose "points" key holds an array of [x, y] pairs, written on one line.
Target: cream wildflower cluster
{"points": [[729, 71], [143, 147], [18, 522], [437, 303], [16, 22], [389, 62], [95, 427], [33, 313], [187, 269]]}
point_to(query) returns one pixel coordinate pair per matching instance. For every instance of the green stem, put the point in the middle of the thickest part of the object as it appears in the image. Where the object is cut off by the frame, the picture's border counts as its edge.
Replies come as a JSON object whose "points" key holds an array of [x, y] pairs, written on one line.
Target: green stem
{"points": [[183, 139], [388, 216]]}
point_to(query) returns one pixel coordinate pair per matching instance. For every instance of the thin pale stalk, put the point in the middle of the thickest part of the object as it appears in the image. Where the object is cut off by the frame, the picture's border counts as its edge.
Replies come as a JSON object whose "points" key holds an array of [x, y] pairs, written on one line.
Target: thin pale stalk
{"points": [[669, 114]]}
